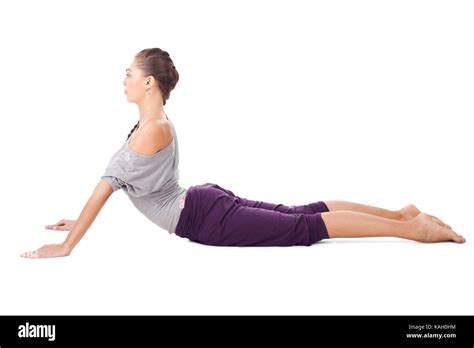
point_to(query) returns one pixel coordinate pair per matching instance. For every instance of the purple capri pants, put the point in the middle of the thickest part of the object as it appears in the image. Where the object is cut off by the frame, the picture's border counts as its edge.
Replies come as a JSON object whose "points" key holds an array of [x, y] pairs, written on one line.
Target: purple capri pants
{"points": [[213, 215]]}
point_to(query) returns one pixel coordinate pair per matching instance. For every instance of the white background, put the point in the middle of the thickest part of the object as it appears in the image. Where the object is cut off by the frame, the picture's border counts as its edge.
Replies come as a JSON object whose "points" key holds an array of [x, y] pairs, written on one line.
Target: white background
{"points": [[282, 101]]}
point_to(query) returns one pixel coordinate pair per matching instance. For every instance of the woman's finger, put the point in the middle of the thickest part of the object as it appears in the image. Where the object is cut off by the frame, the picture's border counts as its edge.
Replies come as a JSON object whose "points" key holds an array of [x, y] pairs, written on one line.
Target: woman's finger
{"points": [[30, 254], [52, 227], [56, 226]]}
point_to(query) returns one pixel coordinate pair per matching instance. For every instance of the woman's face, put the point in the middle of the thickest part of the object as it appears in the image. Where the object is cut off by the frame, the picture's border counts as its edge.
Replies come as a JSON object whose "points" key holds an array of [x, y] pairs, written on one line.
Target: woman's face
{"points": [[135, 83]]}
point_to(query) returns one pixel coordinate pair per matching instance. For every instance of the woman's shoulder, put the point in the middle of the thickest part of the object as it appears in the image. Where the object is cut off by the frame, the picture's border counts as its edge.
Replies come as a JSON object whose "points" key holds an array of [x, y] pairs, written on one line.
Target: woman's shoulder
{"points": [[158, 127], [155, 135]]}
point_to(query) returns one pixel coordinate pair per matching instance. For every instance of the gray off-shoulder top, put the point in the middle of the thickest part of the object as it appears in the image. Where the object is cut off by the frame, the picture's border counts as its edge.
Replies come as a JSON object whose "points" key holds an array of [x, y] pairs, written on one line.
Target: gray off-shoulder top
{"points": [[151, 182]]}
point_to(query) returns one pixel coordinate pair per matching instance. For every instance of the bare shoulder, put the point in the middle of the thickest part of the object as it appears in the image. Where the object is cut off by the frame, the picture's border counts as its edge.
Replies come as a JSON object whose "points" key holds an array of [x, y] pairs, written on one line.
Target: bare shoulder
{"points": [[154, 136]]}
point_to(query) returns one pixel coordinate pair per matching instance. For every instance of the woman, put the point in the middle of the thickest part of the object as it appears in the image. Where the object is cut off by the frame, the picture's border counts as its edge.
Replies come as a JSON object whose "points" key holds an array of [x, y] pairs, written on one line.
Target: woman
{"points": [[146, 168]]}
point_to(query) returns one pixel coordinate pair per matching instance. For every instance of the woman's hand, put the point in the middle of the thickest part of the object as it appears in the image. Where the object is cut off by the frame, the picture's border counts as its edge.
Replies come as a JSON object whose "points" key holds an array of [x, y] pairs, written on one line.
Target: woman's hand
{"points": [[63, 225], [49, 250]]}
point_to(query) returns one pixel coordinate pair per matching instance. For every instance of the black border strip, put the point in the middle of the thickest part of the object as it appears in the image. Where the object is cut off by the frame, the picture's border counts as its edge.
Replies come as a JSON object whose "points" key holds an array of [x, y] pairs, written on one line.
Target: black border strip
{"points": [[240, 330]]}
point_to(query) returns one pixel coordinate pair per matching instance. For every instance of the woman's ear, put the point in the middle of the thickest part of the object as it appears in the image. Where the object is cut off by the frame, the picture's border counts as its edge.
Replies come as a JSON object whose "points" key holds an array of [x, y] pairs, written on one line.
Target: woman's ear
{"points": [[149, 80]]}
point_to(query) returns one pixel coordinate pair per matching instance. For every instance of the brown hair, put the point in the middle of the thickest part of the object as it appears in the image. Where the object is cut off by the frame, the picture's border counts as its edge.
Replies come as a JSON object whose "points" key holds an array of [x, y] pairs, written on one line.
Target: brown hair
{"points": [[157, 63]]}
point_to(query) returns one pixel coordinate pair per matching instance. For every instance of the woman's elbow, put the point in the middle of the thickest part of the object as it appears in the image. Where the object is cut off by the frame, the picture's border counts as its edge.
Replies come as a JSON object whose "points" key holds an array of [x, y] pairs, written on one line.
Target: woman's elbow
{"points": [[103, 189]]}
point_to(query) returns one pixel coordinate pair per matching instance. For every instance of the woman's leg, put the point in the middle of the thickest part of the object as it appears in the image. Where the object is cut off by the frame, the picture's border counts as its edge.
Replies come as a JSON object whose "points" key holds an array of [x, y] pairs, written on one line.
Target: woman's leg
{"points": [[310, 208], [229, 222], [350, 224], [361, 208], [406, 213]]}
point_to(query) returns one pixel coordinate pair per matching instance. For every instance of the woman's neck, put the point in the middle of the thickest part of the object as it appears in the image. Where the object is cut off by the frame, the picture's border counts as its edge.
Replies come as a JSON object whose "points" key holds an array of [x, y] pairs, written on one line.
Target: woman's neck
{"points": [[151, 110]]}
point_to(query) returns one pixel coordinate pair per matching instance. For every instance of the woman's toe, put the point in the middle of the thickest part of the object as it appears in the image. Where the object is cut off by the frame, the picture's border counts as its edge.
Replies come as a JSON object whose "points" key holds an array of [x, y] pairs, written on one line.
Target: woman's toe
{"points": [[458, 238]]}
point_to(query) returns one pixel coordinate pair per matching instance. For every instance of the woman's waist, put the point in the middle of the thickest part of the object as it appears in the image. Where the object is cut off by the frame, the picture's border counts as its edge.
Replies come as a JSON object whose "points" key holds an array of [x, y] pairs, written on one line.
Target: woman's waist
{"points": [[182, 200]]}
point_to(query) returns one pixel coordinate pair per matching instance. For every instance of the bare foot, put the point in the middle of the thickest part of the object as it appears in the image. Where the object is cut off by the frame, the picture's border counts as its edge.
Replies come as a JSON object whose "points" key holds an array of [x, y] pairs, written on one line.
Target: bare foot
{"points": [[410, 212], [439, 222], [427, 230]]}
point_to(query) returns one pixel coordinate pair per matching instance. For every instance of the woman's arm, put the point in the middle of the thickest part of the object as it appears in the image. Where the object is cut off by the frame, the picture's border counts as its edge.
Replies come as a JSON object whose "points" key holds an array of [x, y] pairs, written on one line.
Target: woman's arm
{"points": [[101, 193]]}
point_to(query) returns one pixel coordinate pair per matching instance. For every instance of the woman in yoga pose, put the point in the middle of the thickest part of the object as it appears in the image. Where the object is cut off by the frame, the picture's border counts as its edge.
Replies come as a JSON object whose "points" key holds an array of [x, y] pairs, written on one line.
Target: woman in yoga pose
{"points": [[145, 167]]}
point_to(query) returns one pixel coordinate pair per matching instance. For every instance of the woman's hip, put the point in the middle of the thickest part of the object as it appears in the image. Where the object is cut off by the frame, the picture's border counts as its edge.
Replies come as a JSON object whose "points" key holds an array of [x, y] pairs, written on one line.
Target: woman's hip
{"points": [[201, 203]]}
